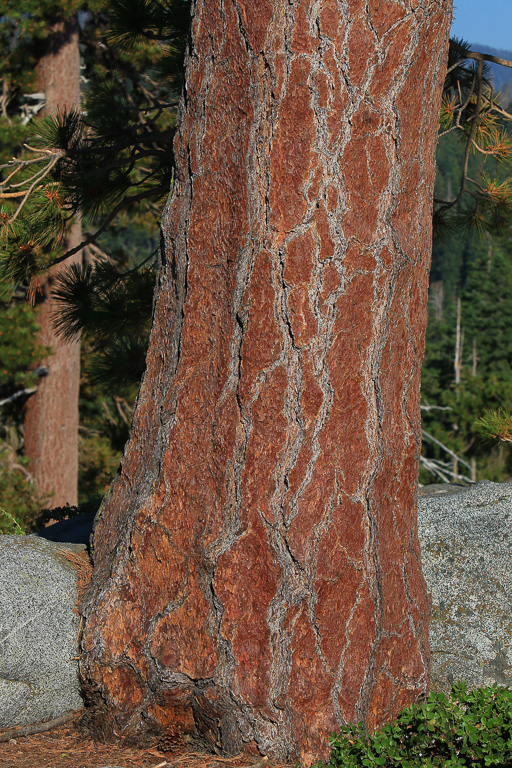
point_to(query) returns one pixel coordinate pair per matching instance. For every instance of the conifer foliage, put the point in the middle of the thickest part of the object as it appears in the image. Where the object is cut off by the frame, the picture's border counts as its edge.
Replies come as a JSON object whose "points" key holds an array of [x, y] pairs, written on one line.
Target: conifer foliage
{"points": [[466, 372], [112, 167], [101, 164], [473, 111]]}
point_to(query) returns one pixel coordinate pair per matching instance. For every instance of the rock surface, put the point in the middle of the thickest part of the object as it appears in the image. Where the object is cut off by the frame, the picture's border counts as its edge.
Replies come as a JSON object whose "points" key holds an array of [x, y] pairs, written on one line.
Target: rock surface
{"points": [[38, 631], [466, 537]]}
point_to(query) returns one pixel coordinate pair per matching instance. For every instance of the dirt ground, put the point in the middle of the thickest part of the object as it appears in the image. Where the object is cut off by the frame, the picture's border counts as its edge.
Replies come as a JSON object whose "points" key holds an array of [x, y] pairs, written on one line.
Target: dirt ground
{"points": [[67, 747]]}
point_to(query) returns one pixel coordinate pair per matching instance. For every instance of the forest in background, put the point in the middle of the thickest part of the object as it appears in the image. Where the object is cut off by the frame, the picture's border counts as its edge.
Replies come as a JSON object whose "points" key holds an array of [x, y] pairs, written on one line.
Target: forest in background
{"points": [[468, 361], [467, 368]]}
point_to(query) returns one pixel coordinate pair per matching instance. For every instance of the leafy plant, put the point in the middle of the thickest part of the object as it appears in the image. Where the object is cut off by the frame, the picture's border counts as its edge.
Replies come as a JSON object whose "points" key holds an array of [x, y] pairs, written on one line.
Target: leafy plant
{"points": [[467, 728], [20, 501], [9, 523]]}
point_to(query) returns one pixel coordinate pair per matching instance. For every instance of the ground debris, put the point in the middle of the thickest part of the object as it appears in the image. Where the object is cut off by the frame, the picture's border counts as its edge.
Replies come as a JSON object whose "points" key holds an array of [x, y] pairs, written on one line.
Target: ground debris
{"points": [[67, 747]]}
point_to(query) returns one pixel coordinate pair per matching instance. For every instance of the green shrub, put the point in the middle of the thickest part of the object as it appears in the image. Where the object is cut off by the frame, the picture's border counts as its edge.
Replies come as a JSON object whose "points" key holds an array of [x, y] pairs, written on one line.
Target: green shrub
{"points": [[464, 729], [18, 496], [20, 350], [9, 524]]}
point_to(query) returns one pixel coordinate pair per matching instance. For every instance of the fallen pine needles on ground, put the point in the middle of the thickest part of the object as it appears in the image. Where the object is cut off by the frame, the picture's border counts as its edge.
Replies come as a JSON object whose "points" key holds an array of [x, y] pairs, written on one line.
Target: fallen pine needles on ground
{"points": [[66, 746]]}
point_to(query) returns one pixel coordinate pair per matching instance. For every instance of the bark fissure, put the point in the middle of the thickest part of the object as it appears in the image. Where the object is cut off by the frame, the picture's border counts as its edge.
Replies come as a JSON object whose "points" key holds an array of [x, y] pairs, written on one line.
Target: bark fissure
{"points": [[272, 533]]}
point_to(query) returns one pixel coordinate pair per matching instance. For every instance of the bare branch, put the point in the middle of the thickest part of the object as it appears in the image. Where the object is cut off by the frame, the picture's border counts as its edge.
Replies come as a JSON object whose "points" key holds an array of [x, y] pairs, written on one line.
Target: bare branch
{"points": [[428, 407], [480, 57], [445, 448], [28, 730], [442, 470], [16, 395]]}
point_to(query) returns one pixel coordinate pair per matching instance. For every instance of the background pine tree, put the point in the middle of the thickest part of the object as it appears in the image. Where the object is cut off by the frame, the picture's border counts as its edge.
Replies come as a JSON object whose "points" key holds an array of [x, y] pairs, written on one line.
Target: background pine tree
{"points": [[119, 164]]}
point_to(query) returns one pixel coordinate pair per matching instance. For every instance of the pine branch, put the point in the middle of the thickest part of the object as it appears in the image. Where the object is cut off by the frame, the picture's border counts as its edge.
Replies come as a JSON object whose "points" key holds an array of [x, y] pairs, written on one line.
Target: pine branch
{"points": [[125, 202], [445, 448], [470, 105], [36, 179], [495, 425], [477, 56]]}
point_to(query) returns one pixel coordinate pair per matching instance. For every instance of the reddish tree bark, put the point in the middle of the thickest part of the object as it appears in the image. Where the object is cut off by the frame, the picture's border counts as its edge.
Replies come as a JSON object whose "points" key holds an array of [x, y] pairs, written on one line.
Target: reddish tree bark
{"points": [[257, 571], [51, 416]]}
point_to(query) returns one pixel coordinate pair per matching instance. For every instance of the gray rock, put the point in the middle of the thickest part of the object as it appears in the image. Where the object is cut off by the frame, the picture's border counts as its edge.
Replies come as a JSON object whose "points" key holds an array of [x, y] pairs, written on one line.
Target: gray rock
{"points": [[38, 631], [466, 546]]}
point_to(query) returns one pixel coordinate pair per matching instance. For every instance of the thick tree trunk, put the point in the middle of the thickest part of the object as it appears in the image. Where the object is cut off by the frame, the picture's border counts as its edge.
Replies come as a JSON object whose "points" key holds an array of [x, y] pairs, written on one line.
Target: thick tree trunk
{"points": [[51, 417], [257, 569]]}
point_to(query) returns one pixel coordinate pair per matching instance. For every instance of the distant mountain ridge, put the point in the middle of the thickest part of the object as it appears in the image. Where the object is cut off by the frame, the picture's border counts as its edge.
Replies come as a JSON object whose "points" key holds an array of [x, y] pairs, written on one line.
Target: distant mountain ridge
{"points": [[502, 76]]}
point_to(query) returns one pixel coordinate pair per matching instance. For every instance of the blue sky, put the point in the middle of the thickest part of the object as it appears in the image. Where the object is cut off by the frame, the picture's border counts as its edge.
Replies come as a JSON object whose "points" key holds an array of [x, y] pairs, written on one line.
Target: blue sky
{"points": [[484, 21]]}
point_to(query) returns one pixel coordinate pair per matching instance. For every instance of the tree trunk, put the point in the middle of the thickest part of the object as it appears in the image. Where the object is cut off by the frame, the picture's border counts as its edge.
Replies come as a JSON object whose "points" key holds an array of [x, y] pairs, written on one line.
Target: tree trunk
{"points": [[459, 340], [257, 570], [51, 417]]}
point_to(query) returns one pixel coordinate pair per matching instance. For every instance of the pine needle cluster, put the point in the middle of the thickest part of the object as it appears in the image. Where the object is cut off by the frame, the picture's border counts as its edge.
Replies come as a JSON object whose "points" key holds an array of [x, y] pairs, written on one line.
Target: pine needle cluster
{"points": [[93, 299], [495, 425], [472, 110]]}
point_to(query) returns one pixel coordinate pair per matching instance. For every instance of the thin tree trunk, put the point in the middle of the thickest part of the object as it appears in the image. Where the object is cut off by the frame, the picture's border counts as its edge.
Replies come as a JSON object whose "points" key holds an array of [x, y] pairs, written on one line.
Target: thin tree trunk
{"points": [[51, 417], [257, 571], [457, 360], [437, 289]]}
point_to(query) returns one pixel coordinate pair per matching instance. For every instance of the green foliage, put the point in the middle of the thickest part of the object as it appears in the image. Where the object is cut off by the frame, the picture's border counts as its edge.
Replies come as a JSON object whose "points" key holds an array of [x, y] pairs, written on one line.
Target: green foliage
{"points": [[473, 114], [476, 269], [9, 524], [23, 23], [464, 729], [486, 365], [112, 155], [12, 134], [112, 164], [18, 497], [20, 350], [495, 425], [112, 311], [20, 354]]}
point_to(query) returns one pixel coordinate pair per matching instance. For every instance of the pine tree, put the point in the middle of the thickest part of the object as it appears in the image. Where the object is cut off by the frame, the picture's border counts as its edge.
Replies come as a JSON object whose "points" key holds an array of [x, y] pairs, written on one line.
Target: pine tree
{"points": [[51, 413], [257, 569], [257, 566], [116, 356]]}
